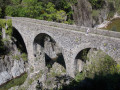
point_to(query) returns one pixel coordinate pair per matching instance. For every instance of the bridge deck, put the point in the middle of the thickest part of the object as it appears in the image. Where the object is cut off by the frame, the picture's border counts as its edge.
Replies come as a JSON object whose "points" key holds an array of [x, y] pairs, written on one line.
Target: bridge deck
{"points": [[69, 27]]}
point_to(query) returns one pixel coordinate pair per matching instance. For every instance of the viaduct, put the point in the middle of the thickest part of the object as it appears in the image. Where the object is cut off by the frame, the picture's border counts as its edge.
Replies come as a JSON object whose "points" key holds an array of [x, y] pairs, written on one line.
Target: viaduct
{"points": [[44, 39]]}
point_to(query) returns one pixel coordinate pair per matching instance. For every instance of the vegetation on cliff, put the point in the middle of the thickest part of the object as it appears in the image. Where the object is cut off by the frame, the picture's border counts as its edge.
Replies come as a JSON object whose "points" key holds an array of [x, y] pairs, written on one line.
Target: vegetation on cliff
{"points": [[103, 73], [50, 10], [8, 31], [59, 10]]}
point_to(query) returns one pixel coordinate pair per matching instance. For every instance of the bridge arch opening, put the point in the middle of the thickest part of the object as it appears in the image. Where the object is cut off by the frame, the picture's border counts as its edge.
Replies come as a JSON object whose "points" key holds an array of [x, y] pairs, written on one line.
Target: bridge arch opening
{"points": [[92, 56], [81, 59], [47, 50], [18, 39]]}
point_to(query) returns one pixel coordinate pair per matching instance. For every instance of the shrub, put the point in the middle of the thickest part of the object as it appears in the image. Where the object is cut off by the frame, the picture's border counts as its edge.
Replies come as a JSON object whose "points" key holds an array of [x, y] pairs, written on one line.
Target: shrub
{"points": [[95, 13], [15, 2], [16, 57], [61, 16], [102, 66], [0, 12], [24, 56], [97, 4]]}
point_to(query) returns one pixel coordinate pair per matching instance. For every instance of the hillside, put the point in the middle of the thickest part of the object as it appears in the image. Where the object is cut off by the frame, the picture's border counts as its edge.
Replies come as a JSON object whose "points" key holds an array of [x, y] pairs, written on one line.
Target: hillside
{"points": [[80, 12], [60, 45]]}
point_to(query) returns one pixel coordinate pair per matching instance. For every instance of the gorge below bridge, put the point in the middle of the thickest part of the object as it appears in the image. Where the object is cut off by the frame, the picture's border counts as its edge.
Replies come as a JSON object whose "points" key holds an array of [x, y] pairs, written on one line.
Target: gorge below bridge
{"points": [[44, 39]]}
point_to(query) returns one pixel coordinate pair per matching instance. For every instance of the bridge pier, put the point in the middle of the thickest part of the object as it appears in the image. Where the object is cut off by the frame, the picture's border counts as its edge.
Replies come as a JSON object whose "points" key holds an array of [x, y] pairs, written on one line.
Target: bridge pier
{"points": [[69, 60]]}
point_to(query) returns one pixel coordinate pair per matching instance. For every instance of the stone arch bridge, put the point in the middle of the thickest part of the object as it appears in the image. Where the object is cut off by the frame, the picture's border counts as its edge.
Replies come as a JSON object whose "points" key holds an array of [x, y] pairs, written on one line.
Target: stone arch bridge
{"points": [[64, 39]]}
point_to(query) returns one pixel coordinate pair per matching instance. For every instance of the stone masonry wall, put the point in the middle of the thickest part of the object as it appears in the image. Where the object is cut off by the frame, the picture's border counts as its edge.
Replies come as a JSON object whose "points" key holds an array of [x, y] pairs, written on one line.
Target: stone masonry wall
{"points": [[72, 39]]}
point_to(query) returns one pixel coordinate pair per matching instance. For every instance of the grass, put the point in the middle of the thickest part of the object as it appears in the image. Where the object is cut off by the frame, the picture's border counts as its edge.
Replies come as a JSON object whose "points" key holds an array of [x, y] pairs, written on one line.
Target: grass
{"points": [[14, 82], [114, 25]]}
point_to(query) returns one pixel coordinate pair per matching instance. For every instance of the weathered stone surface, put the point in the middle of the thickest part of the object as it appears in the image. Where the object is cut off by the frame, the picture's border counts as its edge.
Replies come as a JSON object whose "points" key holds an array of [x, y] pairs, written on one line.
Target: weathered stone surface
{"points": [[82, 13], [70, 38], [49, 50], [10, 67], [4, 77], [18, 68]]}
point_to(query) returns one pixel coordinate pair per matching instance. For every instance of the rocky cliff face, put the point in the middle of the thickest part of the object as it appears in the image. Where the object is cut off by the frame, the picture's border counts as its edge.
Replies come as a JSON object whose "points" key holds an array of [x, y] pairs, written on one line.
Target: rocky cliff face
{"points": [[85, 15], [82, 13], [11, 63]]}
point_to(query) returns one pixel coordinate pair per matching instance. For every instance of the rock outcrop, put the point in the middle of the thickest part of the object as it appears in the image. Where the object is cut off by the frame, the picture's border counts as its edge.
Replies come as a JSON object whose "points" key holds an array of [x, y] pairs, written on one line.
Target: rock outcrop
{"points": [[11, 64], [85, 15], [82, 13]]}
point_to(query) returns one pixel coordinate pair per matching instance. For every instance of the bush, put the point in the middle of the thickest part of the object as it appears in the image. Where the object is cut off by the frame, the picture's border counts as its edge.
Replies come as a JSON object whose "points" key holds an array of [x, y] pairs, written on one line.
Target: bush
{"points": [[61, 16], [0, 12], [16, 57], [95, 13], [15, 2], [24, 56], [97, 4], [101, 66]]}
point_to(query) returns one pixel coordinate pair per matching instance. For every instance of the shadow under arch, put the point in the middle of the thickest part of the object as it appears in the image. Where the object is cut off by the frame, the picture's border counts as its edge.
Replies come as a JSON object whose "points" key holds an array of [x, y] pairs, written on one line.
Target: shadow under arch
{"points": [[46, 45], [19, 41]]}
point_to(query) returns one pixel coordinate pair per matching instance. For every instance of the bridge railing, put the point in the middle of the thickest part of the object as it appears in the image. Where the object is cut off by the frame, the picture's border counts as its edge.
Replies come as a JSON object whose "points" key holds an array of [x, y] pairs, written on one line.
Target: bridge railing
{"points": [[69, 27]]}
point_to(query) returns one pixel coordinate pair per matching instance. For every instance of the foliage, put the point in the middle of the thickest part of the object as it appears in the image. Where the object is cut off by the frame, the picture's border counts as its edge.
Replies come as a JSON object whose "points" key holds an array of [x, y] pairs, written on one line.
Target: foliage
{"points": [[95, 13], [0, 12], [97, 4], [8, 31], [14, 82], [73, 1], [29, 2], [79, 77], [101, 66], [61, 16], [3, 24], [16, 57], [15, 2], [44, 9], [83, 55], [102, 73], [114, 6], [24, 56]]}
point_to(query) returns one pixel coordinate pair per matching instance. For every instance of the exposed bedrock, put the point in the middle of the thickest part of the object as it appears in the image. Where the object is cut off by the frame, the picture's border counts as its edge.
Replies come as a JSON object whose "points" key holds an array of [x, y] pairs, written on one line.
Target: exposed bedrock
{"points": [[85, 15], [11, 64]]}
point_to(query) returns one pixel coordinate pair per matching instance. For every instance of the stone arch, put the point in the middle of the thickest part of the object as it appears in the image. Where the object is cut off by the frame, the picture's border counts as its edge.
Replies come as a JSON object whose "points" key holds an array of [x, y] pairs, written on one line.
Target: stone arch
{"points": [[19, 40], [80, 61], [81, 58], [47, 50]]}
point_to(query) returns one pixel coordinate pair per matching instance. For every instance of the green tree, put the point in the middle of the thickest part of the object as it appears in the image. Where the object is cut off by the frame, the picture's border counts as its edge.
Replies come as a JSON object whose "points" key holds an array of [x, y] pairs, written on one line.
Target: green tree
{"points": [[61, 16], [29, 2], [11, 10], [97, 4], [0, 12], [16, 2]]}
